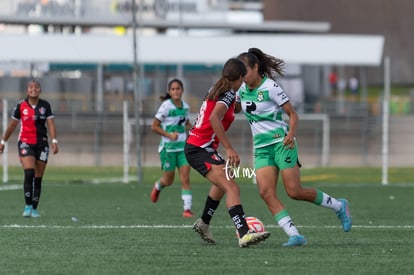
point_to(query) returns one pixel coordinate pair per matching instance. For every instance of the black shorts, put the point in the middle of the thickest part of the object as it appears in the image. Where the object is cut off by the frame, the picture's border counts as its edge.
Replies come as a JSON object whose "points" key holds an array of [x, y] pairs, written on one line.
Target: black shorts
{"points": [[40, 151], [201, 159]]}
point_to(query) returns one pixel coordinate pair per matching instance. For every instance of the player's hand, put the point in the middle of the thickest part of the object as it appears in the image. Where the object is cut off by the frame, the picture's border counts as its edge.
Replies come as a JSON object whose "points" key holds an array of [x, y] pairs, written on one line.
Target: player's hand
{"points": [[55, 148], [173, 136], [233, 157], [289, 142]]}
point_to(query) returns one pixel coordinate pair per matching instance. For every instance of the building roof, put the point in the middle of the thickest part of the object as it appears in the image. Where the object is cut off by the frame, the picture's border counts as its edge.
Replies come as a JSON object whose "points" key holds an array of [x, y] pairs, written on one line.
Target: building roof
{"points": [[238, 25], [316, 49]]}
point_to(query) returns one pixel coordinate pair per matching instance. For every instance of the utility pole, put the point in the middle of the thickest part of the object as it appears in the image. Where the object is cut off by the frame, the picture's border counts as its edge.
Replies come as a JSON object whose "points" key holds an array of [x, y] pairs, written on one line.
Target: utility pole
{"points": [[137, 98]]}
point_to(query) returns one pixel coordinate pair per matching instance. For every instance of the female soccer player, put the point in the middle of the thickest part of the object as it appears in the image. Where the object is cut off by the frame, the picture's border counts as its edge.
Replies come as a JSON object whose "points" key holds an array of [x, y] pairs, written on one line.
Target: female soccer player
{"points": [[275, 148], [33, 147], [171, 122], [214, 118]]}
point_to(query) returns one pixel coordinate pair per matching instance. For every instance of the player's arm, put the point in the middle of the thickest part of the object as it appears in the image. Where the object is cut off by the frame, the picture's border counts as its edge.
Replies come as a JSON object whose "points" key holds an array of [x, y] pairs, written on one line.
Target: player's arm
{"points": [[188, 125], [293, 123], [215, 120], [237, 106], [156, 128], [9, 131], [52, 132]]}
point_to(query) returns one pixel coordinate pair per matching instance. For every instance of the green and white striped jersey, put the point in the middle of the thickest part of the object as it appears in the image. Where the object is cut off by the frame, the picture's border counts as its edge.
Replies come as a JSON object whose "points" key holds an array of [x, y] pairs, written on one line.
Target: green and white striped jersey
{"points": [[173, 119], [262, 107]]}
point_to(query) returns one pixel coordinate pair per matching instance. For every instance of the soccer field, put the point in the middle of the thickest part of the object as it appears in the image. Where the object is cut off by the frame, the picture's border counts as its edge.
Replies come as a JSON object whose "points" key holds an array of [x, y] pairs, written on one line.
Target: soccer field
{"points": [[93, 224]]}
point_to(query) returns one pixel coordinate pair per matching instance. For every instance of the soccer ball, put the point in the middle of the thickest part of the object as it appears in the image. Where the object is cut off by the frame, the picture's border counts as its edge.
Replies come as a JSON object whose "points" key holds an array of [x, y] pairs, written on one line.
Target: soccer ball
{"points": [[254, 224]]}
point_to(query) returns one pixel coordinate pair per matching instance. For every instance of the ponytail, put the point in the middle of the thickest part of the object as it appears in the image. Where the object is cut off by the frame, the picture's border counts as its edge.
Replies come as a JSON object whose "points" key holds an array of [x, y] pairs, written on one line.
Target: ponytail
{"points": [[267, 65]]}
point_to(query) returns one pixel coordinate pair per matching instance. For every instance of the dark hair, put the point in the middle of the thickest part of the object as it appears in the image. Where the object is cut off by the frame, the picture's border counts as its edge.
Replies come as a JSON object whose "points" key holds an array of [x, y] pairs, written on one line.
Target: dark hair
{"points": [[33, 80], [233, 69], [172, 81], [268, 65]]}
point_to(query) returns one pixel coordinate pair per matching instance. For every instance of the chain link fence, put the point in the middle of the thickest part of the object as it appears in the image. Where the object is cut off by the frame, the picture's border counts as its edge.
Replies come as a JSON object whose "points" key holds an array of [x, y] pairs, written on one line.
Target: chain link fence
{"points": [[354, 139]]}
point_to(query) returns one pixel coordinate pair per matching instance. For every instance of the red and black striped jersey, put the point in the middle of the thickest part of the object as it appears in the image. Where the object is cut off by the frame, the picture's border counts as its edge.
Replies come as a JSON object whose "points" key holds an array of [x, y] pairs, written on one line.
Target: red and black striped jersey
{"points": [[202, 134], [32, 120]]}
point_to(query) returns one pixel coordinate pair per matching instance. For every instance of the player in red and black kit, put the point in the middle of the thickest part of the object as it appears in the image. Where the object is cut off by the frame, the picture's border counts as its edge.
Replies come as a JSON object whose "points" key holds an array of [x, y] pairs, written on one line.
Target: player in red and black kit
{"points": [[214, 118], [33, 114]]}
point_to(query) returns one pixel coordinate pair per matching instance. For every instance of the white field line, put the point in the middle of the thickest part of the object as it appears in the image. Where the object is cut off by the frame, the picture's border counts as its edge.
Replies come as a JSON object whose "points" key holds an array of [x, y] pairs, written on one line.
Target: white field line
{"points": [[11, 187], [131, 179], [165, 226]]}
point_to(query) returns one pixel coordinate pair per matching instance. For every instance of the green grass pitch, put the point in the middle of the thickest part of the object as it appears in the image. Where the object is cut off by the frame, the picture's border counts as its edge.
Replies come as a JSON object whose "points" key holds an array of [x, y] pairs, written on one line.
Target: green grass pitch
{"points": [[93, 224]]}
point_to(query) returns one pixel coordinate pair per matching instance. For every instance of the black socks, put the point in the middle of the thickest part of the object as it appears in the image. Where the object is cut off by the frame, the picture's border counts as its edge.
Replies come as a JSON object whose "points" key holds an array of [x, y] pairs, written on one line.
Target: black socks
{"points": [[237, 216], [209, 208], [37, 188], [28, 186]]}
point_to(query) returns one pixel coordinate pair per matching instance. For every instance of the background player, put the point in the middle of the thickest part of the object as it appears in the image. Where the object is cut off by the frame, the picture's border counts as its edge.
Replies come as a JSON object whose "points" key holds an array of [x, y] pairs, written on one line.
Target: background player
{"points": [[33, 147], [171, 122]]}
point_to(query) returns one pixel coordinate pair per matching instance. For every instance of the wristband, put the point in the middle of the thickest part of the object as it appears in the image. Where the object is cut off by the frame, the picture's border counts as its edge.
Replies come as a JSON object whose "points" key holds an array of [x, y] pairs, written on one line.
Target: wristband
{"points": [[2, 142], [54, 141]]}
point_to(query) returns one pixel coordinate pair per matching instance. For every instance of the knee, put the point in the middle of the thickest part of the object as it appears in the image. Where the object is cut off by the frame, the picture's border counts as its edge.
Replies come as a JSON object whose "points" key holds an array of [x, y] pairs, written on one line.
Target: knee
{"points": [[266, 194], [167, 179], [167, 182], [29, 173], [295, 193]]}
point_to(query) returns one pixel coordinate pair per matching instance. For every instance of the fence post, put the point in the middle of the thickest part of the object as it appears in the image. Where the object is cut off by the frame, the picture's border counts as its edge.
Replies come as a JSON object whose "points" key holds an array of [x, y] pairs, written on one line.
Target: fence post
{"points": [[385, 117], [5, 152]]}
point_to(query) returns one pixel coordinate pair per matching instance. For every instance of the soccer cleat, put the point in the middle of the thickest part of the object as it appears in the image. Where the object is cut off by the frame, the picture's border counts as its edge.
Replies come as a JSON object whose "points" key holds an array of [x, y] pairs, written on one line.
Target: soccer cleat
{"points": [[27, 212], [203, 230], [155, 193], [35, 214], [297, 240], [188, 214], [345, 216], [253, 238]]}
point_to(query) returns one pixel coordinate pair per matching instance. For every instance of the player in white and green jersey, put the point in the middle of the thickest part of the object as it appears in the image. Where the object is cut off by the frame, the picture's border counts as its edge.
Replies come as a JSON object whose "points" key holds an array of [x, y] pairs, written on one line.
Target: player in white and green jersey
{"points": [[264, 116], [173, 119], [171, 122], [275, 149]]}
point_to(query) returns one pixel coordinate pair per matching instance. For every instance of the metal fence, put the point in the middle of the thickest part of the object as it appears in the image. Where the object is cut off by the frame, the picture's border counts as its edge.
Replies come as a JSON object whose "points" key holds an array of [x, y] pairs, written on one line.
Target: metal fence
{"points": [[354, 139]]}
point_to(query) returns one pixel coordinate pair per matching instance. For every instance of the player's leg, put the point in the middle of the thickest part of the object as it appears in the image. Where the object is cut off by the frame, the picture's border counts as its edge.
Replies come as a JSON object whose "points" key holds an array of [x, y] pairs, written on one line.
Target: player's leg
{"points": [[267, 177], [168, 167], [202, 225], [40, 167], [218, 177], [186, 194], [211, 165], [295, 190], [29, 174], [42, 155]]}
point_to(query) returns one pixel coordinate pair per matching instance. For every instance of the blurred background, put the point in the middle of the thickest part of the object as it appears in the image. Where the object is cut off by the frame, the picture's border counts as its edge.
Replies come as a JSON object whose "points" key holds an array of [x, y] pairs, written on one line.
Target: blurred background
{"points": [[337, 86]]}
